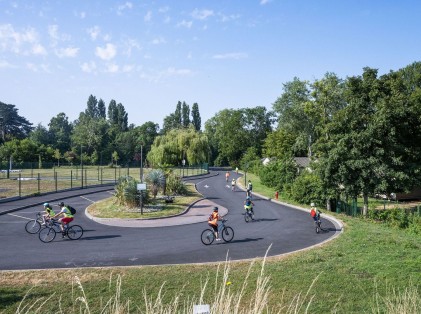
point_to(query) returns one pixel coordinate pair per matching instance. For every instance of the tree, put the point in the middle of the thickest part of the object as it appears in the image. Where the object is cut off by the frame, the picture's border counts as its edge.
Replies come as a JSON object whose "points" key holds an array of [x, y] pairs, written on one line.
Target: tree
{"points": [[60, 131], [195, 114], [40, 135], [185, 115], [12, 125], [57, 155], [117, 116], [179, 144], [92, 107], [101, 109], [115, 157]]}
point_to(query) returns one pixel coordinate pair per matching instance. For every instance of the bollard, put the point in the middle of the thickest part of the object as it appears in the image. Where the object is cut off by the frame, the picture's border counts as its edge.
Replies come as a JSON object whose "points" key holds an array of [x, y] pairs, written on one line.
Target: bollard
{"points": [[276, 195]]}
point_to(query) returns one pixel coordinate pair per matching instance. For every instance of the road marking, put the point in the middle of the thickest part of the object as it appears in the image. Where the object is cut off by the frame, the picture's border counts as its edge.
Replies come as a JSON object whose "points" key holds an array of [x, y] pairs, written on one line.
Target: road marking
{"points": [[206, 186], [87, 199], [21, 217]]}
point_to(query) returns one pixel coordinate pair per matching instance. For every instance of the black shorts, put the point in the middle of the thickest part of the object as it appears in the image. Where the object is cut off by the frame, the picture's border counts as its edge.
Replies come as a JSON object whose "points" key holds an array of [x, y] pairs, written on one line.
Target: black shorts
{"points": [[215, 228]]}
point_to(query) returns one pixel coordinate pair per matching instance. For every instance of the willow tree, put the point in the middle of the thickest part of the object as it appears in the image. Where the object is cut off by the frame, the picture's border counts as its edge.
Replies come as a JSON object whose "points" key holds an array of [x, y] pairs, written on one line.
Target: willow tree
{"points": [[177, 145]]}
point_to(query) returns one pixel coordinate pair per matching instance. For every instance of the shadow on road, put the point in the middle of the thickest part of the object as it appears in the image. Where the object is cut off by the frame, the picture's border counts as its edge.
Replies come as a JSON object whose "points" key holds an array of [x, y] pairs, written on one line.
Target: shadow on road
{"points": [[101, 237], [246, 240], [264, 219]]}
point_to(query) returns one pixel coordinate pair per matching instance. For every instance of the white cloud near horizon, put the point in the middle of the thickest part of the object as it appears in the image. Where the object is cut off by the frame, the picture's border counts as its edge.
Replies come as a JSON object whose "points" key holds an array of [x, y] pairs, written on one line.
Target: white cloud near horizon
{"points": [[201, 14], [125, 6], [184, 23], [107, 53], [69, 52], [94, 32], [88, 67], [232, 55]]}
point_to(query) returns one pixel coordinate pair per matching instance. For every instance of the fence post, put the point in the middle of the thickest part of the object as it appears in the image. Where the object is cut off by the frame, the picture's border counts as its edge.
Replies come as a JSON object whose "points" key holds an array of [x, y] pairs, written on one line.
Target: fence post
{"points": [[86, 177], [55, 179], [101, 176], [71, 179], [39, 182], [115, 175], [20, 182]]}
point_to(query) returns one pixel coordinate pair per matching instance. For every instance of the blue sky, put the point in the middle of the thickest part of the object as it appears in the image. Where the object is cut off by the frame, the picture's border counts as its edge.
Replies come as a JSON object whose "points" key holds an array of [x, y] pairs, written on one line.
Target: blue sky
{"points": [[148, 55]]}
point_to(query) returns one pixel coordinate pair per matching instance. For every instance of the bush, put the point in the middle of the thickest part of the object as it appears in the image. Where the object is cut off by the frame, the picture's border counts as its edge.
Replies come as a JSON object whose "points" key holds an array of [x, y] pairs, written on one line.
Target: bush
{"points": [[307, 188], [126, 192], [175, 185], [277, 174]]}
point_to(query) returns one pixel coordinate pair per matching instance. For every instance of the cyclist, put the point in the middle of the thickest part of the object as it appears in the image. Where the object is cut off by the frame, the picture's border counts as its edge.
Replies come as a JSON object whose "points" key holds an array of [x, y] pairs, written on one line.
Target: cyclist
{"points": [[233, 184], [213, 222], [249, 187], [227, 175], [315, 213], [67, 217], [48, 213], [248, 206]]}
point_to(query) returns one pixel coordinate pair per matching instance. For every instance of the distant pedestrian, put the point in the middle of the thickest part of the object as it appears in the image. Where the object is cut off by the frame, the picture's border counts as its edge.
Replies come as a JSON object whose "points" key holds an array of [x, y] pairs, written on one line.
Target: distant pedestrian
{"points": [[227, 176]]}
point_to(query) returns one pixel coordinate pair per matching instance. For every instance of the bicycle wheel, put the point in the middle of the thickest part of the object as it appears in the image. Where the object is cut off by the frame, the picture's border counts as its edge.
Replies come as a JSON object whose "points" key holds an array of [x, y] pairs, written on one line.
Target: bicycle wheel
{"points": [[74, 232], [32, 226], [318, 227], [247, 216], [227, 234], [207, 237], [47, 235]]}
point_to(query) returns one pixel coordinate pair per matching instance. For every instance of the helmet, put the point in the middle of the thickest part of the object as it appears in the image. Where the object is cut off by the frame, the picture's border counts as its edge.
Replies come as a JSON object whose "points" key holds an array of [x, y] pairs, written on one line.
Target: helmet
{"points": [[215, 209], [46, 205], [248, 197], [61, 204], [312, 205]]}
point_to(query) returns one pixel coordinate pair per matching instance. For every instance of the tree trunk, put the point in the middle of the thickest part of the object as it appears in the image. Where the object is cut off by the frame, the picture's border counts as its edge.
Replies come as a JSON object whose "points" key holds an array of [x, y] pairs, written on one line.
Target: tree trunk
{"points": [[328, 207]]}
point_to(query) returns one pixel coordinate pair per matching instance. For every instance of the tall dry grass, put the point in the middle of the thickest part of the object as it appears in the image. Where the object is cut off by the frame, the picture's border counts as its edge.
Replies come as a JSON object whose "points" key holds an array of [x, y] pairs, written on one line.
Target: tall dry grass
{"points": [[222, 299]]}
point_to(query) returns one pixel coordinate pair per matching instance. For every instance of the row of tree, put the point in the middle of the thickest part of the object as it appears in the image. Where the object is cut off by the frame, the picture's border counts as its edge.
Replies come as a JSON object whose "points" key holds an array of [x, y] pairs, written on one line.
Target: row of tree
{"points": [[362, 134]]}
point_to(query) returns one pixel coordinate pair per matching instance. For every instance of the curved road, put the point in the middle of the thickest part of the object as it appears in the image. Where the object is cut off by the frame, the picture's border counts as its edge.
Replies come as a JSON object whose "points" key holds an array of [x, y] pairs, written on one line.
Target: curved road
{"points": [[283, 228]]}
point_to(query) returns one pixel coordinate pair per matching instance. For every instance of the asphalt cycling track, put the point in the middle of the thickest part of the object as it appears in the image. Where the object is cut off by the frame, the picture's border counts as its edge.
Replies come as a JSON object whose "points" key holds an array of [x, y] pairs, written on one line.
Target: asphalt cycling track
{"points": [[283, 229]]}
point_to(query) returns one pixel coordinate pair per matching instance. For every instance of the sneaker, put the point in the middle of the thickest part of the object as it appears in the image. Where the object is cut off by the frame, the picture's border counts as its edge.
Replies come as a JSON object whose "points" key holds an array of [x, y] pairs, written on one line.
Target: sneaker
{"points": [[218, 239]]}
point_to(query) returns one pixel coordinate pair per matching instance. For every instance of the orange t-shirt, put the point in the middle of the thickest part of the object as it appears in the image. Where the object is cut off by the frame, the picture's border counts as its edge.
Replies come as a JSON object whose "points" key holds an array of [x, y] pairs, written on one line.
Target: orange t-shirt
{"points": [[313, 212], [213, 218]]}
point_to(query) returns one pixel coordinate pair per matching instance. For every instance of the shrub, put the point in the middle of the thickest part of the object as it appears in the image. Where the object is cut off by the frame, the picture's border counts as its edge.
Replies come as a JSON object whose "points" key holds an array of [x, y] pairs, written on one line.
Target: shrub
{"points": [[276, 174], [175, 185], [126, 192], [307, 188]]}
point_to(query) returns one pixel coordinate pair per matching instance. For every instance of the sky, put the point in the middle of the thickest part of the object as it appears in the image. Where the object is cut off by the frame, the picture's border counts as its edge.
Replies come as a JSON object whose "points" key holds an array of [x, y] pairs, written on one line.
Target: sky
{"points": [[220, 54]]}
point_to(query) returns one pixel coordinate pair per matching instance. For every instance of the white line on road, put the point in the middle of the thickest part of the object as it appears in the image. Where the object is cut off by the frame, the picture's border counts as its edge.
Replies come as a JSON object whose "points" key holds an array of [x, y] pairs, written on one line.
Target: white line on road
{"points": [[87, 199], [21, 217]]}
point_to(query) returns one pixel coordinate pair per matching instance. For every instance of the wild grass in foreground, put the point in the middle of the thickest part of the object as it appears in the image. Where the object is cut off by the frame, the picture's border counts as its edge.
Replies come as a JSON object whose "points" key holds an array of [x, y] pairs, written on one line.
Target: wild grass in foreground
{"points": [[251, 296]]}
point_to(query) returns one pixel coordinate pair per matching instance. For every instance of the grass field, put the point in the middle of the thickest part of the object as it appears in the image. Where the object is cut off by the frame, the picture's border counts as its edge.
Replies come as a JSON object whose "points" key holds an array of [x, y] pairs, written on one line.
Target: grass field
{"points": [[370, 268]]}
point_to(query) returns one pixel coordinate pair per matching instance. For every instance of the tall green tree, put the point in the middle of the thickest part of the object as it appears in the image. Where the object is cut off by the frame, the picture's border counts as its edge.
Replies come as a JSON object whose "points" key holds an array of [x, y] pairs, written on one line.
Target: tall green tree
{"points": [[185, 115], [60, 130], [195, 114], [41, 135], [12, 125]]}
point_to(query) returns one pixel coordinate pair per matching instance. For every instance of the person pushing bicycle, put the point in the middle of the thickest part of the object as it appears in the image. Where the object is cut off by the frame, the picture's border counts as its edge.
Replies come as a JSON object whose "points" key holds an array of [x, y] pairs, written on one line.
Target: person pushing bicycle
{"points": [[67, 217], [213, 222]]}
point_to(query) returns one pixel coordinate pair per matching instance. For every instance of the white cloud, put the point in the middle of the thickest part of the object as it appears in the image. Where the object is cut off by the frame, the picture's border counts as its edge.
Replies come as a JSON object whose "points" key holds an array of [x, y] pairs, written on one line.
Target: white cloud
{"points": [[112, 68], [201, 14], [69, 52], [106, 53], [94, 32], [125, 6], [23, 42], [167, 20], [164, 9], [148, 16], [4, 64], [38, 49], [263, 2], [171, 71], [184, 23], [38, 68], [232, 55], [128, 68], [131, 44], [56, 36], [80, 15], [158, 41], [88, 67], [227, 18]]}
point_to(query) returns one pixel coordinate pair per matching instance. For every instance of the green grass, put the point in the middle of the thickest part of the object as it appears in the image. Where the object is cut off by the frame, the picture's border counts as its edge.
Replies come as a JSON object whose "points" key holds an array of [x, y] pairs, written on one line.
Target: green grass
{"points": [[108, 208], [370, 268]]}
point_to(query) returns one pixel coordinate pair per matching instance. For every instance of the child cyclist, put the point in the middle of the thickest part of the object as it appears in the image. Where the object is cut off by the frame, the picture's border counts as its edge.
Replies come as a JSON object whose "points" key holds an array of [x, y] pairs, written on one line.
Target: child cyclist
{"points": [[315, 213], [213, 222], [48, 213], [248, 206]]}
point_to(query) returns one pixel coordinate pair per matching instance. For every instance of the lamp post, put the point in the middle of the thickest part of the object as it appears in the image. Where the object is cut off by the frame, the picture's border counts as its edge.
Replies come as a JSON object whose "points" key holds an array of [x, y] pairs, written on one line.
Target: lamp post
{"points": [[81, 163], [141, 163]]}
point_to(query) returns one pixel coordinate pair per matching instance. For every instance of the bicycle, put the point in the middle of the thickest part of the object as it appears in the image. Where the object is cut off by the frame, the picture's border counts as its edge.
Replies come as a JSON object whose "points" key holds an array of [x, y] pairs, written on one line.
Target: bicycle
{"points": [[33, 226], [48, 234], [318, 224], [249, 214], [208, 236]]}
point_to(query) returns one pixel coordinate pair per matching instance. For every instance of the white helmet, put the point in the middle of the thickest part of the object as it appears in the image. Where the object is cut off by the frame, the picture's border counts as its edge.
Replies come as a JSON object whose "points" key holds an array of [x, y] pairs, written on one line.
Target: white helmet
{"points": [[312, 205]]}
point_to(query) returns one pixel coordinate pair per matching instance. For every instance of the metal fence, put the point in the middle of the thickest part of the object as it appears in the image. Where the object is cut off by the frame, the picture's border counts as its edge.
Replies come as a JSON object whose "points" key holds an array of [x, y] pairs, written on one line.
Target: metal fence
{"points": [[31, 182]]}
